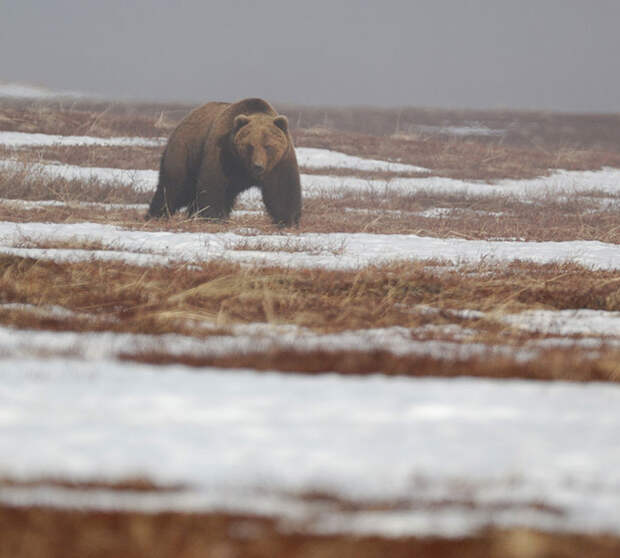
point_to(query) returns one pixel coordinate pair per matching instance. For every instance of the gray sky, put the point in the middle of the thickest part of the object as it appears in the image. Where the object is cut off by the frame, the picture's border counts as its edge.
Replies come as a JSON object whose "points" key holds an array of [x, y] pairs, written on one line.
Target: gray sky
{"points": [[543, 54]]}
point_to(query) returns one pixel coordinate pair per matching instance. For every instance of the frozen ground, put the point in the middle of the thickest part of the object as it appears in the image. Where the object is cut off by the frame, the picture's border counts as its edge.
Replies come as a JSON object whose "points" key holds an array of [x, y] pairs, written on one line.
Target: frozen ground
{"points": [[38, 204], [314, 158], [254, 338], [510, 452], [23, 139], [558, 183], [471, 129], [308, 157], [453, 342], [454, 454], [329, 250], [568, 322]]}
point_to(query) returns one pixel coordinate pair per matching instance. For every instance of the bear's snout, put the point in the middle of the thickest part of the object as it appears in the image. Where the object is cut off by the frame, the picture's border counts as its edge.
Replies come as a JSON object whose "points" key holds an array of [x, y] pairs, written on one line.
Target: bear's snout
{"points": [[258, 168]]}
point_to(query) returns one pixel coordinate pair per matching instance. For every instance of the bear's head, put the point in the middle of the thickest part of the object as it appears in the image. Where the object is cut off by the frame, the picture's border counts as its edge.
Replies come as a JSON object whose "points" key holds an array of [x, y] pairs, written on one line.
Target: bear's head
{"points": [[260, 141]]}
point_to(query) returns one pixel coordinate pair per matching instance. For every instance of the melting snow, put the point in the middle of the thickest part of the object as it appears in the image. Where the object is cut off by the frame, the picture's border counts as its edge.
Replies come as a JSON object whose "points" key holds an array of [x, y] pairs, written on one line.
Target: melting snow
{"points": [[314, 158], [23, 139], [242, 339], [560, 182], [473, 129], [308, 157], [239, 437], [37, 204], [567, 322], [247, 441], [334, 250]]}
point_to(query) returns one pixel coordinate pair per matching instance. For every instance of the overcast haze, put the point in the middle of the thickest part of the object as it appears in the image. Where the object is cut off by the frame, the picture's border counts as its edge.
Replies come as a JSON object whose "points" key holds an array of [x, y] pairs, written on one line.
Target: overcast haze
{"points": [[547, 54]]}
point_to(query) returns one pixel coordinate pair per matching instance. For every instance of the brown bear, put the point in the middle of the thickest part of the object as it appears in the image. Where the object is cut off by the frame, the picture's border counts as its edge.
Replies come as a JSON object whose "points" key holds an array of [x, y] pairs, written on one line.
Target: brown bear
{"points": [[222, 149]]}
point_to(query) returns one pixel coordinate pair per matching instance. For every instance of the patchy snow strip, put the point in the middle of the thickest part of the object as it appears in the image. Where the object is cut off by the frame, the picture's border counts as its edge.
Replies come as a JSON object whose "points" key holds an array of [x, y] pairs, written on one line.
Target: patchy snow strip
{"points": [[38, 204], [505, 452], [80, 255], [309, 157], [567, 322], [472, 129], [23, 139], [333, 250], [558, 183], [314, 158], [242, 339], [51, 311], [47, 311], [141, 180]]}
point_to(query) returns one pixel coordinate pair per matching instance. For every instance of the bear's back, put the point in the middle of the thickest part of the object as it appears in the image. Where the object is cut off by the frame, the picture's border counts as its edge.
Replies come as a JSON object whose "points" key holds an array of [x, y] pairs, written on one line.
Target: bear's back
{"points": [[194, 127]]}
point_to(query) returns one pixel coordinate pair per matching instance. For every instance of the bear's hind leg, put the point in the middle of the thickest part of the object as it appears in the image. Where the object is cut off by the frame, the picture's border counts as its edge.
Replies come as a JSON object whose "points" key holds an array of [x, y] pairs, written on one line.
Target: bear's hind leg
{"points": [[169, 199], [215, 207], [158, 207]]}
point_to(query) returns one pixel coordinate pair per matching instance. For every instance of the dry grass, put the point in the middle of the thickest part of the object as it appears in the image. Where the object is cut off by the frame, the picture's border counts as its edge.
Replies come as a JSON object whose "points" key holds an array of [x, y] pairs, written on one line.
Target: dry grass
{"points": [[122, 298], [550, 220], [87, 118], [163, 300], [135, 484], [542, 130], [208, 300], [592, 217], [461, 158], [29, 183], [73, 212], [320, 299], [533, 143], [45, 533], [451, 157], [573, 364], [128, 157], [287, 245], [533, 129]]}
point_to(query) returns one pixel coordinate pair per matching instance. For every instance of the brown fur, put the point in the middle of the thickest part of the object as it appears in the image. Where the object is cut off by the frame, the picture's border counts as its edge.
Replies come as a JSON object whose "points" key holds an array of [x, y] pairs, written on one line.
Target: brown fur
{"points": [[220, 150]]}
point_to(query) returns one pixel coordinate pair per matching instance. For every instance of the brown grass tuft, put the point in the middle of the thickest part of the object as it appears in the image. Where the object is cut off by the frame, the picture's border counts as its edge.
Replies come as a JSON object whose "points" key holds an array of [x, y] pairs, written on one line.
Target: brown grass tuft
{"points": [[202, 301], [39, 532]]}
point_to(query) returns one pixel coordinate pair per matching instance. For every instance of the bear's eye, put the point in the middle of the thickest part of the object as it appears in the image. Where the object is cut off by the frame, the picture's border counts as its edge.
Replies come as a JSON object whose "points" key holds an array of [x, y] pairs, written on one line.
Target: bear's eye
{"points": [[249, 149]]}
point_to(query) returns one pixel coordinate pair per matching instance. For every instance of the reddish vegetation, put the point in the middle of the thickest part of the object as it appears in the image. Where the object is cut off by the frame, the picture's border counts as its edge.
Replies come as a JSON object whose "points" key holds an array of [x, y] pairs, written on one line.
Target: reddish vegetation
{"points": [[464, 158], [530, 145], [558, 364], [137, 484], [107, 296], [45, 533]]}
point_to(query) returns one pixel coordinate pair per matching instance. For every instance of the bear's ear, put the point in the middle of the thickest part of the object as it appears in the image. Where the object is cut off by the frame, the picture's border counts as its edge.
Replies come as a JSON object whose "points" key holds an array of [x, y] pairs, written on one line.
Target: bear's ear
{"points": [[240, 121], [281, 122]]}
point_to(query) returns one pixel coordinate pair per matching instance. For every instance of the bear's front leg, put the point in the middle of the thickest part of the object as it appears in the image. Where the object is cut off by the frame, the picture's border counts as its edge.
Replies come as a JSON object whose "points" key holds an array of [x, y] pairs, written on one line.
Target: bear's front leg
{"points": [[213, 195], [282, 196]]}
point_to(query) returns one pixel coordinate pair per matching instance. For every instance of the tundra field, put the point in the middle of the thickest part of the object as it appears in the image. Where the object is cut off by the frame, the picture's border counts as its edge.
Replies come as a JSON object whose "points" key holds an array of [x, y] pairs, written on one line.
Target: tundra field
{"points": [[429, 365]]}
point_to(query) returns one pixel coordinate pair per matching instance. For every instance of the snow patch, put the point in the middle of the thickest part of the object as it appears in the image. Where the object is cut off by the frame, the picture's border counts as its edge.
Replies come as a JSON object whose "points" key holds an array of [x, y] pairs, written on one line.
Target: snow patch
{"points": [[23, 139], [326, 250], [567, 322], [239, 436], [473, 129], [558, 183], [243, 339], [314, 158], [39, 204]]}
